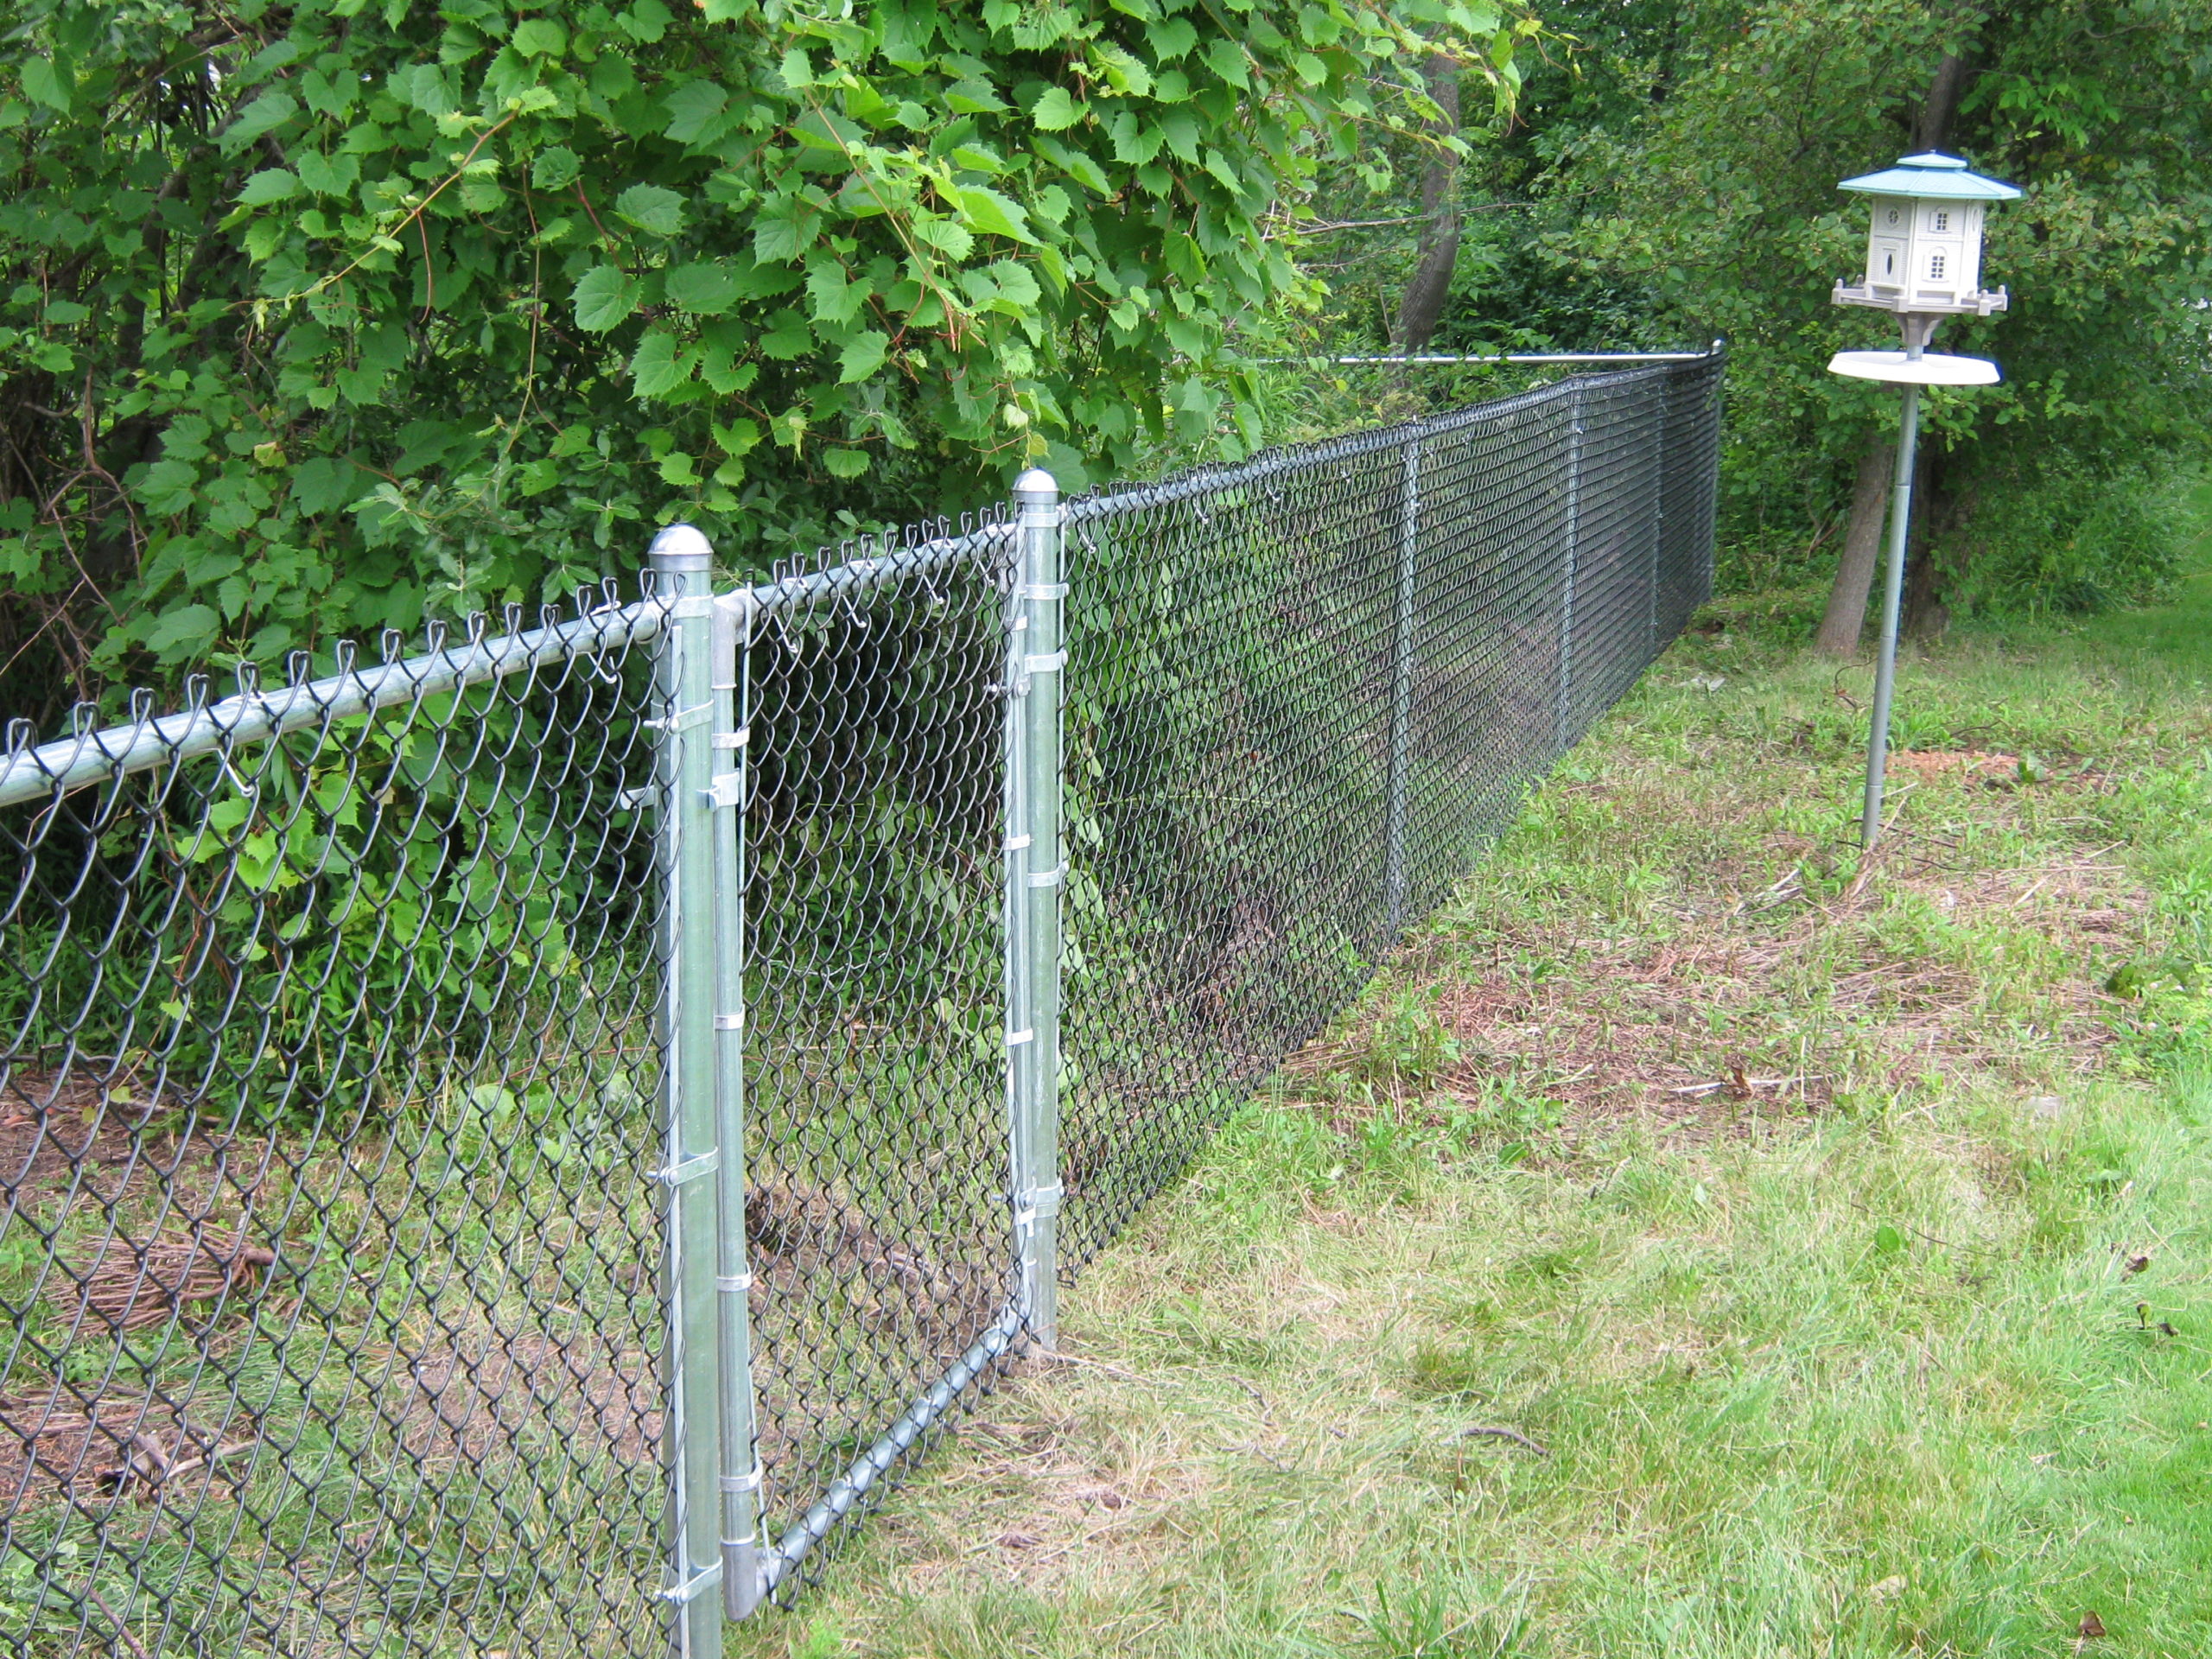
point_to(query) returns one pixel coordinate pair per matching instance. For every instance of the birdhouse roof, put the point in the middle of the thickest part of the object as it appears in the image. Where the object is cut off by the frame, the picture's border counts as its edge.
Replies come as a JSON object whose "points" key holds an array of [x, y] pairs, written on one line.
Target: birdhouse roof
{"points": [[1931, 175]]}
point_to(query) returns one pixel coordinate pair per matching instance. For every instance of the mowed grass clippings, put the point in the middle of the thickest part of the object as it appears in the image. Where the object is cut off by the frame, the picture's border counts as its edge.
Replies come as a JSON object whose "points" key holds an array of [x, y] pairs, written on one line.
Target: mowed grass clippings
{"points": [[1703, 1241]]}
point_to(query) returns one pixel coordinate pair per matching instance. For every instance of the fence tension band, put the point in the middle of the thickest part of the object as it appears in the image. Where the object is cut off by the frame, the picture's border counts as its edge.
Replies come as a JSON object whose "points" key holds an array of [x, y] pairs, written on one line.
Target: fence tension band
{"points": [[704, 1579], [1045, 1201], [683, 720], [687, 1170], [746, 1483]]}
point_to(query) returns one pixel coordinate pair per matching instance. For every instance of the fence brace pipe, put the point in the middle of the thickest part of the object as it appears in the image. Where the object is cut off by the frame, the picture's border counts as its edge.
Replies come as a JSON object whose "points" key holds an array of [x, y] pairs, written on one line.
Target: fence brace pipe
{"points": [[1036, 871], [680, 562]]}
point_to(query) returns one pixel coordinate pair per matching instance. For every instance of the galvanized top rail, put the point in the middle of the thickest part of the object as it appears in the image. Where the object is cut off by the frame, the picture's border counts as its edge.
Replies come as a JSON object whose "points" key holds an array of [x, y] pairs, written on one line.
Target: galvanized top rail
{"points": [[1120, 500], [1416, 358], [255, 715]]}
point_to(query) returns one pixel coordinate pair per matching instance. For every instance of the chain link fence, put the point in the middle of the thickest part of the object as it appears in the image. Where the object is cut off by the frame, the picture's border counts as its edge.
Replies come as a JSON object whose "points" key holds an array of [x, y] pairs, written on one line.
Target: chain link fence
{"points": [[515, 1146]]}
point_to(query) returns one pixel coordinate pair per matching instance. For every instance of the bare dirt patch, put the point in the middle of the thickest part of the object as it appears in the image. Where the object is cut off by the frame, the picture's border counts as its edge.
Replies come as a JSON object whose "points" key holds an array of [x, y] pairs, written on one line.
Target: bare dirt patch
{"points": [[1761, 995]]}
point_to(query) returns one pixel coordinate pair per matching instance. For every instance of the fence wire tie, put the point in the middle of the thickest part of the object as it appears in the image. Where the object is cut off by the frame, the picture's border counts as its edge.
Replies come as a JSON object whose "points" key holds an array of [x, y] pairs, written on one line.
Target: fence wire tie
{"points": [[1016, 1039], [730, 1021], [1050, 878], [736, 1284], [683, 720], [745, 1483], [727, 790], [1051, 663], [736, 739]]}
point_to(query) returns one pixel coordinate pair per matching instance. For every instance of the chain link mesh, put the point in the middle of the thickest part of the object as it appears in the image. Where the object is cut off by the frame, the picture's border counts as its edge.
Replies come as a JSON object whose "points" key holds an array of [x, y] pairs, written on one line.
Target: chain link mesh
{"points": [[328, 1069], [337, 1016], [1304, 692]]}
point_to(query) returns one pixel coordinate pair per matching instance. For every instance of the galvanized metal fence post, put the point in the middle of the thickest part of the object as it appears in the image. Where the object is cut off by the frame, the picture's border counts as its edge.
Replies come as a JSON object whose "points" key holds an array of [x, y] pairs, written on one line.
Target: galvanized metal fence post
{"points": [[1401, 688], [1562, 716], [1659, 472], [739, 1478], [1036, 871], [691, 1363]]}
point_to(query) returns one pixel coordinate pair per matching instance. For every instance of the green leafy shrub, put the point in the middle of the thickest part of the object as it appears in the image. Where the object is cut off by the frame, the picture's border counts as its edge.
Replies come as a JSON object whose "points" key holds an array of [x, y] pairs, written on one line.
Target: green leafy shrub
{"points": [[2066, 540], [318, 317]]}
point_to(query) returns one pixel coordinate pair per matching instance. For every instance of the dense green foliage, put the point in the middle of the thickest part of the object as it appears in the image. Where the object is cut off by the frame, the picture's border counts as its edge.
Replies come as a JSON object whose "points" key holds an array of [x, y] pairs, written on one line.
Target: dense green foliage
{"points": [[316, 316], [1673, 177]]}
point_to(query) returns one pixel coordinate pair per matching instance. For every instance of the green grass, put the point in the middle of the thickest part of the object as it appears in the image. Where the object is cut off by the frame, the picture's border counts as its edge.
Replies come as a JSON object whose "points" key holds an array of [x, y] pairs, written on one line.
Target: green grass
{"points": [[1792, 1202]]}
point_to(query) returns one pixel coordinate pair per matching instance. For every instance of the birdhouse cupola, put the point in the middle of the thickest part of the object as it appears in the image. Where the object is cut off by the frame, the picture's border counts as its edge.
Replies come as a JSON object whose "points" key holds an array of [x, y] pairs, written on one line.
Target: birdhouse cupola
{"points": [[1923, 252]]}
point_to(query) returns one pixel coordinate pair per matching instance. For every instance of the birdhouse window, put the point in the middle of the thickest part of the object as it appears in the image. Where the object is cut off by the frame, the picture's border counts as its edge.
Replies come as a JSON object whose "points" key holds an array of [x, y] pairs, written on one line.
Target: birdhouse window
{"points": [[1942, 219], [1895, 216], [1935, 262], [1888, 265]]}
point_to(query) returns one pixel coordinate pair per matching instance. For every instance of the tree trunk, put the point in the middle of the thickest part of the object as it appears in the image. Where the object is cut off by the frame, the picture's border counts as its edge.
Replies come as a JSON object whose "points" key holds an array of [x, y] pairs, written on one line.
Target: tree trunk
{"points": [[1421, 307], [1926, 615], [1862, 548], [1932, 131]]}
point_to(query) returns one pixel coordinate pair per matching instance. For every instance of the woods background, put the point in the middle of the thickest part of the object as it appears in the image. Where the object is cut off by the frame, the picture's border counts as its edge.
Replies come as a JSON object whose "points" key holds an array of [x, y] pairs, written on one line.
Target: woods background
{"points": [[316, 318]]}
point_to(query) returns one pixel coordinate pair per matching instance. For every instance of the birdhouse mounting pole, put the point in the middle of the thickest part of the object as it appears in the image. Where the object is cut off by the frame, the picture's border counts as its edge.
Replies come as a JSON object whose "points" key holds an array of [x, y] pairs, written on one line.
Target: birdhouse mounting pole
{"points": [[1878, 741]]}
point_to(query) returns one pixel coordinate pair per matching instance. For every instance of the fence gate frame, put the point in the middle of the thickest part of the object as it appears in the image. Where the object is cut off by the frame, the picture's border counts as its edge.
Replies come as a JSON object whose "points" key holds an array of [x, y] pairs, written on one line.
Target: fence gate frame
{"points": [[702, 679]]}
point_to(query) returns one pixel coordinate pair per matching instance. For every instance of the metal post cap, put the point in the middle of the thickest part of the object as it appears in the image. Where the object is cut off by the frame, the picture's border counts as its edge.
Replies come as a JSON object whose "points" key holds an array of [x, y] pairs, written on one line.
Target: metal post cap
{"points": [[1036, 485], [680, 547]]}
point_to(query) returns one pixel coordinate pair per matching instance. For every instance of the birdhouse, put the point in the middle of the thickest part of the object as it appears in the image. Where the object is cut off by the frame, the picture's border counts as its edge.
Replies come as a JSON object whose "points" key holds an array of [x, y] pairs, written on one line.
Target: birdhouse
{"points": [[1923, 250]]}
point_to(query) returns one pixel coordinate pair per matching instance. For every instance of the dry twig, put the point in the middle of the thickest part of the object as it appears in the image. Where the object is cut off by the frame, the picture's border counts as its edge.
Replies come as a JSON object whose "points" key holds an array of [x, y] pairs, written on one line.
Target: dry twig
{"points": [[132, 1286]]}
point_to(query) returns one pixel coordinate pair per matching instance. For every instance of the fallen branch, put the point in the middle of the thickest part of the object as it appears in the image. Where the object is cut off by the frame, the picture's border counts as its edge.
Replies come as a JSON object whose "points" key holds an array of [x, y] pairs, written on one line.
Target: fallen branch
{"points": [[1775, 1083], [147, 1462], [1498, 1432]]}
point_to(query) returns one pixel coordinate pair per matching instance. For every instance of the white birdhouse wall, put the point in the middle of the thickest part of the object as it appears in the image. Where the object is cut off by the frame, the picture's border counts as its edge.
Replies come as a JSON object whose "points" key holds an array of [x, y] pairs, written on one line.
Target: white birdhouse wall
{"points": [[1932, 249], [1889, 249]]}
